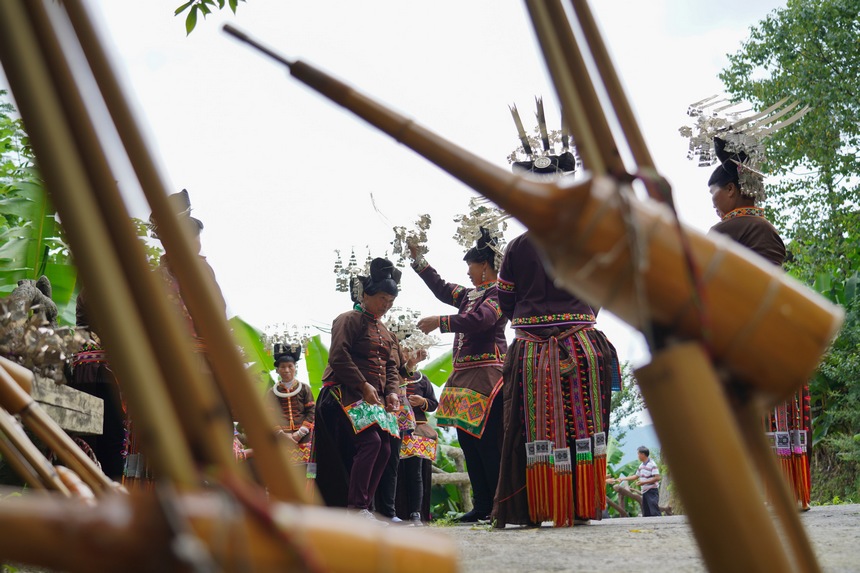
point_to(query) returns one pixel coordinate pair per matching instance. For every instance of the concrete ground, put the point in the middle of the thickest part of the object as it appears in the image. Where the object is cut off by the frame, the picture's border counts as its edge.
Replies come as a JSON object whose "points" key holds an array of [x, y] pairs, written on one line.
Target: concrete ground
{"points": [[636, 544]]}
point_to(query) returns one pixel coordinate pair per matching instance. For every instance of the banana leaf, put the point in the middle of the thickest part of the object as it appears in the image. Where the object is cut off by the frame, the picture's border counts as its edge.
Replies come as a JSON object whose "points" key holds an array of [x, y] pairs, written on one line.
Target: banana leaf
{"points": [[316, 356], [439, 369], [258, 360]]}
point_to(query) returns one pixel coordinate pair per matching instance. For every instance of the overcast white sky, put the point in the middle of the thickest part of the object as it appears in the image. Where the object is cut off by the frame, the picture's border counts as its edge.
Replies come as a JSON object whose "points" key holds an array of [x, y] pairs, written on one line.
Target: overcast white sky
{"points": [[282, 178]]}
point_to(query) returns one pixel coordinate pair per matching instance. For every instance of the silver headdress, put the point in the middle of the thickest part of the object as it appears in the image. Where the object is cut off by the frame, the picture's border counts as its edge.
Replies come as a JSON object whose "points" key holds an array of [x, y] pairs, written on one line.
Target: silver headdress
{"points": [[722, 132], [538, 153], [403, 323], [285, 338], [347, 277], [482, 215]]}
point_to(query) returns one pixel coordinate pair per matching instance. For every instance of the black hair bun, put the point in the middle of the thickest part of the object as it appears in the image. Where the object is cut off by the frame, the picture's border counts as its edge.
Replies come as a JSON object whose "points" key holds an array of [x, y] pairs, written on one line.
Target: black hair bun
{"points": [[382, 269]]}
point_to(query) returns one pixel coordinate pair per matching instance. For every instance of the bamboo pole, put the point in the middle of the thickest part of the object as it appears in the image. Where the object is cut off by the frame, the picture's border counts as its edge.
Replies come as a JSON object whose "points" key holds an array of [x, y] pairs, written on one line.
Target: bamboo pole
{"points": [[17, 401], [108, 537], [575, 62], [284, 481], [749, 422], [587, 145], [23, 376], [31, 456], [730, 523], [59, 161], [19, 463], [204, 416], [620, 104]]}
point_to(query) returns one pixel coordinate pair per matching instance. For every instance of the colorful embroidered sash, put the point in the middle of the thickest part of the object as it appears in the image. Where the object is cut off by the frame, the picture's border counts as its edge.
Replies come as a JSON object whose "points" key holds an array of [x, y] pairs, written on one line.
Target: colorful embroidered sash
{"points": [[465, 409], [561, 402], [363, 415]]}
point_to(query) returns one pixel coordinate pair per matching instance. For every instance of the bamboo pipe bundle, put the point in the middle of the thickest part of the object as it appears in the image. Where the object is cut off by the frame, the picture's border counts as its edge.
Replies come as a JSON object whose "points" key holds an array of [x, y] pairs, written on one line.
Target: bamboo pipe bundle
{"points": [[767, 328], [203, 413], [98, 264], [21, 375], [25, 458], [16, 401], [108, 537], [675, 385], [200, 294]]}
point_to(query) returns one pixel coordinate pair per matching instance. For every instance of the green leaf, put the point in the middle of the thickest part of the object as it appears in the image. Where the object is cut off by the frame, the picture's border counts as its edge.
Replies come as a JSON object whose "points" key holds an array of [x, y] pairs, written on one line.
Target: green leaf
{"points": [[250, 339], [316, 355], [233, 5], [439, 369], [191, 20], [183, 8]]}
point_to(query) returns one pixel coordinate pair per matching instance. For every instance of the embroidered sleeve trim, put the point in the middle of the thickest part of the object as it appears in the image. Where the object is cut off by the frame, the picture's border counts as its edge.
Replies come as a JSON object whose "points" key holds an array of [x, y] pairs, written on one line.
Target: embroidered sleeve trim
{"points": [[494, 304], [506, 286], [444, 324], [457, 293]]}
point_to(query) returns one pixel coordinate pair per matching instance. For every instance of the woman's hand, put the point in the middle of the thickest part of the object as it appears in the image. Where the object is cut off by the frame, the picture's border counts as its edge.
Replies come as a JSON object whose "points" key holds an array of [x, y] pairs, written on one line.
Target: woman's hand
{"points": [[296, 437], [392, 403], [428, 324], [413, 251], [416, 401], [369, 395]]}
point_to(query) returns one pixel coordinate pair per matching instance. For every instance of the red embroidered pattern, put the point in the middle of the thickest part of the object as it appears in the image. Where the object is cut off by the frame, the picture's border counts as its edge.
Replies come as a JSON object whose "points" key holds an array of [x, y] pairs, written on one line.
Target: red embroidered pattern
{"points": [[744, 212]]}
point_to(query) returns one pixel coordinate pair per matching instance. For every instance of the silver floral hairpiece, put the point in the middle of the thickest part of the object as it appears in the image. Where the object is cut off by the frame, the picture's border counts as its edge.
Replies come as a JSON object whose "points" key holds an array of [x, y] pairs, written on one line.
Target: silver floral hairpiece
{"points": [[405, 238], [482, 215], [742, 132], [403, 323]]}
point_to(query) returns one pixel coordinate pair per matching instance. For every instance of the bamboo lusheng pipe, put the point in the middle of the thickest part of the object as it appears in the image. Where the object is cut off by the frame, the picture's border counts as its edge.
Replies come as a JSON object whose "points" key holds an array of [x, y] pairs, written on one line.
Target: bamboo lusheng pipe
{"points": [[60, 164], [690, 410], [31, 455], [272, 455], [578, 72], [748, 416], [592, 153], [766, 327], [128, 533], [19, 464], [23, 376], [204, 416], [612, 83], [14, 399]]}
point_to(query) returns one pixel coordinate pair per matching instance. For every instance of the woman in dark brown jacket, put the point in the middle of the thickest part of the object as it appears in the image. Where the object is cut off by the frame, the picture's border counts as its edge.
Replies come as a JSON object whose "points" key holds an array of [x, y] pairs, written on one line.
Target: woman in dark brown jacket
{"points": [[360, 391]]}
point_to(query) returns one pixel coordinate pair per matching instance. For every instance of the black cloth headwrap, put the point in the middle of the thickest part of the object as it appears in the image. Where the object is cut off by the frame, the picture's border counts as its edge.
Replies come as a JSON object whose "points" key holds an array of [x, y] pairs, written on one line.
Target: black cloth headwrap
{"points": [[287, 353], [384, 277], [558, 164], [483, 250], [727, 171]]}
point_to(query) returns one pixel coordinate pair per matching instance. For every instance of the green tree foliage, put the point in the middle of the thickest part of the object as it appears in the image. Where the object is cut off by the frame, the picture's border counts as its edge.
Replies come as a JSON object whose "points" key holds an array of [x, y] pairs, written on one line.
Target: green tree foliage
{"points": [[808, 51], [31, 241], [204, 7]]}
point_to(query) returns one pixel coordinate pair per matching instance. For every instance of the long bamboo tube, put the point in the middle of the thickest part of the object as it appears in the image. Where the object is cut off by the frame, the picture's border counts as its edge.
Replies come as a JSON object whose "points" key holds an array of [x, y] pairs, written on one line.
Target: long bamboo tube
{"points": [[588, 146], [620, 104], [21, 375], [31, 456], [59, 161], [204, 416], [749, 423], [581, 227], [578, 71], [108, 538], [17, 401], [730, 522], [283, 480], [19, 463]]}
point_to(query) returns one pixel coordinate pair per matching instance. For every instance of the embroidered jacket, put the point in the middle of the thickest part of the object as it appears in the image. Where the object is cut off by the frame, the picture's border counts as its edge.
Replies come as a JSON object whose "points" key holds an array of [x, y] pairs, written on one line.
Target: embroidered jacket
{"points": [[527, 295], [748, 227], [298, 410], [362, 350], [479, 325]]}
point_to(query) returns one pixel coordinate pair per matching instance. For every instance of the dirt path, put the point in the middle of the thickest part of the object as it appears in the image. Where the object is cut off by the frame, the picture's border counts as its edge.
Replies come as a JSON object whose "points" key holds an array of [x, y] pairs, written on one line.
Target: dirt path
{"points": [[621, 545]]}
